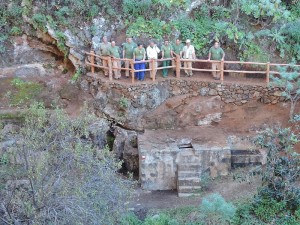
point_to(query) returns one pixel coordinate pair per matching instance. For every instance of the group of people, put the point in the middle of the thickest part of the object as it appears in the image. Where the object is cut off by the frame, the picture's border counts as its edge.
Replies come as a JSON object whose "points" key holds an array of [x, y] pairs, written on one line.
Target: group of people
{"points": [[137, 52]]}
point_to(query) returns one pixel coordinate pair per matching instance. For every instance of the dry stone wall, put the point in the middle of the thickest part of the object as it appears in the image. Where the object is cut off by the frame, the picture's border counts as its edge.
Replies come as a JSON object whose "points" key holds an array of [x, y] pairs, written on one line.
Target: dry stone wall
{"points": [[128, 103]]}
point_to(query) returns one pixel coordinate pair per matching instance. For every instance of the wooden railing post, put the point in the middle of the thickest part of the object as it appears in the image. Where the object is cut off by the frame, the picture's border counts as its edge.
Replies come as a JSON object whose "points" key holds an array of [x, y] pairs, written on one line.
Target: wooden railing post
{"points": [[222, 69], [178, 64], [132, 71], [92, 61], [153, 69], [109, 61], [268, 73]]}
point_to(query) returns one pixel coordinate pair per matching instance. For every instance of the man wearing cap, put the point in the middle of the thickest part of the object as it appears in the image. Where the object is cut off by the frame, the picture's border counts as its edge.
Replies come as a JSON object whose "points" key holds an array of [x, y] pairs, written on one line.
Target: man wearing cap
{"points": [[166, 50], [116, 63], [152, 53], [176, 50], [103, 51], [188, 52], [216, 53], [128, 49]]}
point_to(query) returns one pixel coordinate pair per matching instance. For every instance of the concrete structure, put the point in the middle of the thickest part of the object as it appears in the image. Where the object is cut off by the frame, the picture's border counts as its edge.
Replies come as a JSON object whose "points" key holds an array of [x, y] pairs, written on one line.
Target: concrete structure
{"points": [[168, 160]]}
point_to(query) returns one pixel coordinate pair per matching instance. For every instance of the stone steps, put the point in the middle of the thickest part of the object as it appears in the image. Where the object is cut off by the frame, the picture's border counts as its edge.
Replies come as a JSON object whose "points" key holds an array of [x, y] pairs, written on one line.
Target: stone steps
{"points": [[240, 158], [188, 177]]}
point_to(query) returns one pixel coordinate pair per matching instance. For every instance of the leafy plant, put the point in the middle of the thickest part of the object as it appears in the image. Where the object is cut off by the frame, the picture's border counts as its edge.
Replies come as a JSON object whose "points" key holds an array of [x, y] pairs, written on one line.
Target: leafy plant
{"points": [[215, 210], [282, 168], [60, 176], [289, 81], [24, 93], [123, 102], [76, 75], [265, 10]]}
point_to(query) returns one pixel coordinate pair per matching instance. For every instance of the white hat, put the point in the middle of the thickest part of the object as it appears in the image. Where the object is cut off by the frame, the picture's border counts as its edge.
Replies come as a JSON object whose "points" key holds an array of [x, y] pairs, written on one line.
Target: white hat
{"points": [[188, 41]]}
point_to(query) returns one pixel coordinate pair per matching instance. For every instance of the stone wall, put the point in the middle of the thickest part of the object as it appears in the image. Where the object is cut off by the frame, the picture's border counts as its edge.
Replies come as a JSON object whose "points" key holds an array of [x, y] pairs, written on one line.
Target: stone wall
{"points": [[127, 103]]}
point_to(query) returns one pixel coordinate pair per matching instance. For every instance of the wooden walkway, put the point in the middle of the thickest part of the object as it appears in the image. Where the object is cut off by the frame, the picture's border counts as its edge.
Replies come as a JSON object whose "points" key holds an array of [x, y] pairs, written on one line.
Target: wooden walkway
{"points": [[264, 69]]}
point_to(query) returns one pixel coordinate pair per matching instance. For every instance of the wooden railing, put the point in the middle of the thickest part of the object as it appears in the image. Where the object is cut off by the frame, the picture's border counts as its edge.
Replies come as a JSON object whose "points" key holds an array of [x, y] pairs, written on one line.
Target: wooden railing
{"points": [[178, 66]]}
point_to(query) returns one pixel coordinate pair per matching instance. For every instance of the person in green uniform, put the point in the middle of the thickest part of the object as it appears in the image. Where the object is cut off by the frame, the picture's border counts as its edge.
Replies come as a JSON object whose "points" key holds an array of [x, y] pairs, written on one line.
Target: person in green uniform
{"points": [[176, 50], [216, 53], [103, 51], [166, 51], [113, 51], [128, 49], [139, 55]]}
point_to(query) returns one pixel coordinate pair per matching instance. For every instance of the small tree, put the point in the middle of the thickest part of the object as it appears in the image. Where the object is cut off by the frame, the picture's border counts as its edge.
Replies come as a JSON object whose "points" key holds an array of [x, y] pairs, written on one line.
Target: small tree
{"points": [[289, 81], [282, 168], [215, 210], [59, 177]]}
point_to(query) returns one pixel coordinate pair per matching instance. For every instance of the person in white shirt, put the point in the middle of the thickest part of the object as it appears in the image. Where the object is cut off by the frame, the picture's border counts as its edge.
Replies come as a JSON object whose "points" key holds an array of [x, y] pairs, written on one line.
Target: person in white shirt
{"points": [[152, 53], [188, 52]]}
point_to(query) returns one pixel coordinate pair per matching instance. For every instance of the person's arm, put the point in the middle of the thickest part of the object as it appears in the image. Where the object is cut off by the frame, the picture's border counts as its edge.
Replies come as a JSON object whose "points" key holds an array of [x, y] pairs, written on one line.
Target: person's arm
{"points": [[144, 55], [223, 54], [148, 52], [134, 55], [209, 55], [194, 54], [157, 49]]}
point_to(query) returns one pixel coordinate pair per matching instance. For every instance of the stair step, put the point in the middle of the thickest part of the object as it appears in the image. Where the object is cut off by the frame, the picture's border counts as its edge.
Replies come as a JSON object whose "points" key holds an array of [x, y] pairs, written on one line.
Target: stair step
{"points": [[189, 173], [189, 189], [190, 166], [188, 194], [188, 182]]}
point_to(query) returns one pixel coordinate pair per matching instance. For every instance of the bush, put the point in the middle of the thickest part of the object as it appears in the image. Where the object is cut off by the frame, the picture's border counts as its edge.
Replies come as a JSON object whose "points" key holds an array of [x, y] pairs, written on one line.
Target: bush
{"points": [[268, 209], [282, 168], [60, 177], [160, 219], [215, 210], [265, 10]]}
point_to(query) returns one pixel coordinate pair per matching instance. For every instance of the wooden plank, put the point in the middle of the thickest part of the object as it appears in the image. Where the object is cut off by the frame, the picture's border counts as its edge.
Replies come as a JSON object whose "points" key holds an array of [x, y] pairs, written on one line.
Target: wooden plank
{"points": [[246, 63], [153, 69], [109, 68], [178, 65], [268, 73], [132, 71], [243, 71], [92, 62], [222, 70]]}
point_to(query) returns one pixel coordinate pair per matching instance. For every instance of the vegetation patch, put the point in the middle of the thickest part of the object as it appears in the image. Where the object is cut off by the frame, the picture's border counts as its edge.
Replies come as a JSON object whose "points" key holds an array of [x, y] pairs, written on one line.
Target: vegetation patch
{"points": [[23, 92]]}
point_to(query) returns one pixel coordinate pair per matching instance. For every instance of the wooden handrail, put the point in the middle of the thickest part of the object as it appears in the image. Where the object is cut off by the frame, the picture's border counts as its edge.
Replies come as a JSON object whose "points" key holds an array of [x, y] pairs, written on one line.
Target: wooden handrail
{"points": [[178, 67]]}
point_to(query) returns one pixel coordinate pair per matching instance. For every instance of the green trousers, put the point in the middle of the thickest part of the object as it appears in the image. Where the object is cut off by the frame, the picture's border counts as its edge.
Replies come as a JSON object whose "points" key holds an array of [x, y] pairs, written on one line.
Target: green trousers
{"points": [[165, 71]]}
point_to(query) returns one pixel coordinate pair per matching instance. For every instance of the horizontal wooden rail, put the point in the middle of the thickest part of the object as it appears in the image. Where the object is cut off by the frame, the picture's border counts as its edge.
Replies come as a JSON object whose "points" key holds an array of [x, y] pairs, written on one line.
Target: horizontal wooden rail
{"points": [[178, 67], [244, 71]]}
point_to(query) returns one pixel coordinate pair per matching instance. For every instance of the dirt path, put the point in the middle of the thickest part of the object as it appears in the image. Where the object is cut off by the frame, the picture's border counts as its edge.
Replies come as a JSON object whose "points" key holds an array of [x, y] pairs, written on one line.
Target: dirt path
{"points": [[152, 200]]}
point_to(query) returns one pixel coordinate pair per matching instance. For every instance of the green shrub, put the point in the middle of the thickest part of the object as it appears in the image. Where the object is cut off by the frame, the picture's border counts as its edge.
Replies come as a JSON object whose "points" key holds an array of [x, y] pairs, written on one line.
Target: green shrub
{"points": [[215, 210], [265, 9], [130, 219], [24, 93], [268, 209], [39, 22], [160, 219], [124, 102]]}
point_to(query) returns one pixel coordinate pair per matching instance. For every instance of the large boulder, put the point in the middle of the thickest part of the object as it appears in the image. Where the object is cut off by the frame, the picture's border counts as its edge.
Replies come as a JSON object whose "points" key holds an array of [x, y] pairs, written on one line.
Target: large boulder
{"points": [[98, 131], [125, 147]]}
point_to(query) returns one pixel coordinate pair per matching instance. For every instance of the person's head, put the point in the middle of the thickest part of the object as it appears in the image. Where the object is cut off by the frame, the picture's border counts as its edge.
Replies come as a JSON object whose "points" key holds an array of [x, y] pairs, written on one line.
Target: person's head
{"points": [[216, 44], [188, 42], [166, 42], [129, 39], [104, 39], [140, 45], [113, 43], [178, 41], [151, 43]]}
